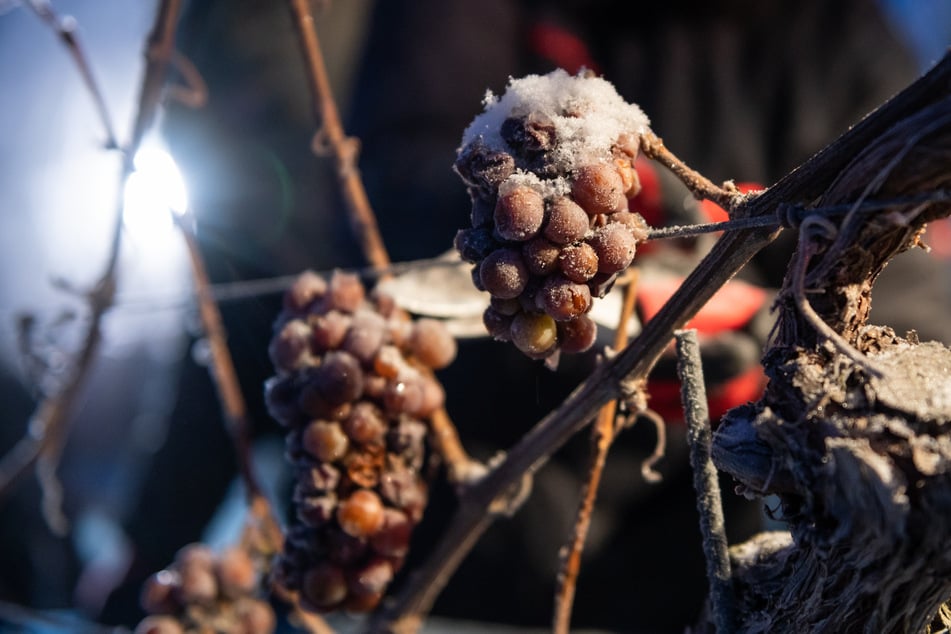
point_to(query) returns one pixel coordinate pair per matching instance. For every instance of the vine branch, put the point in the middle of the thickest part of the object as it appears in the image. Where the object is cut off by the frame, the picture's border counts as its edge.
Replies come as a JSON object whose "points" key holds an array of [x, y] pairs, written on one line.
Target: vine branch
{"points": [[801, 186]]}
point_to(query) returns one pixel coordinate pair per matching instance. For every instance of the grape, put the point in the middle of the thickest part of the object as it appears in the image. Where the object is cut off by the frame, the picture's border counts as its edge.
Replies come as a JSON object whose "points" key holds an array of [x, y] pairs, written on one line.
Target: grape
{"points": [[402, 396], [404, 489], [383, 303], [389, 362], [392, 540], [365, 425], [477, 278], [318, 478], [530, 134], [434, 397], [363, 466], [197, 585], [324, 586], [614, 245], [290, 349], [634, 222], [474, 244], [563, 299], [280, 396], [482, 211], [482, 168], [339, 378], [497, 324], [237, 575], [361, 514], [534, 334], [159, 625], [578, 262], [372, 578], [329, 329], [599, 189], [567, 221], [158, 593], [317, 510], [505, 306], [519, 213], [577, 335], [541, 256], [306, 289], [432, 344], [630, 182], [601, 284], [325, 441], [503, 273], [407, 437], [255, 617], [195, 555], [345, 292], [365, 336], [346, 550]]}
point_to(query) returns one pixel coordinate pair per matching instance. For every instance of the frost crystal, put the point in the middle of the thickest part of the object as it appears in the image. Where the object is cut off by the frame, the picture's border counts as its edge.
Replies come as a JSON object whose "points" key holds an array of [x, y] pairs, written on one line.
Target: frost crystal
{"points": [[587, 113]]}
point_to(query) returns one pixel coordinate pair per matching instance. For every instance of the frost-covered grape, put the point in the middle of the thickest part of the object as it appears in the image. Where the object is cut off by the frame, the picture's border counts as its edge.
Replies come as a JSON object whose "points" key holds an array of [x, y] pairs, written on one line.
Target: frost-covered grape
{"points": [[599, 189], [567, 221], [503, 273], [329, 329], [325, 440], [366, 334], [629, 179], [577, 335], [519, 213], [361, 514], [365, 425], [237, 575], [339, 378], [290, 349], [578, 262], [529, 134], [475, 243], [564, 299], [392, 540], [306, 289], [497, 324], [534, 334], [541, 256], [634, 222], [403, 397], [345, 292], [372, 578], [324, 586], [432, 344], [483, 168], [615, 246]]}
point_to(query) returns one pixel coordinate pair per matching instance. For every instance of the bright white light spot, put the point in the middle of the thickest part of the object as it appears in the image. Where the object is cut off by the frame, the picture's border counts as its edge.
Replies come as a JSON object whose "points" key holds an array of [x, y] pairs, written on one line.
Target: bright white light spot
{"points": [[153, 190]]}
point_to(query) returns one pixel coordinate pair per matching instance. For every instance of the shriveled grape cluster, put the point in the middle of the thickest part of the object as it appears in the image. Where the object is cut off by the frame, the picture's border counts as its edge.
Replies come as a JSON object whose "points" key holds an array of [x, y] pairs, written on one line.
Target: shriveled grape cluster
{"points": [[550, 169], [206, 592], [354, 387]]}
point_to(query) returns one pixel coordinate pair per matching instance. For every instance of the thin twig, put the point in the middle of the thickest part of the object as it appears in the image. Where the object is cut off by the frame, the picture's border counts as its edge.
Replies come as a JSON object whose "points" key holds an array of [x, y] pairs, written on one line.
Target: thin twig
{"points": [[333, 139], [727, 196], [48, 426], [65, 29], [705, 482], [602, 436], [222, 366], [332, 136], [728, 255]]}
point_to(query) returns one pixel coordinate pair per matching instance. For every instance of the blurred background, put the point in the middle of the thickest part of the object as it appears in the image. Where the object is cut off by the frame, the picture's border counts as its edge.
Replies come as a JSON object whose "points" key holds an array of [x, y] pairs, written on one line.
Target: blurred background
{"points": [[739, 89]]}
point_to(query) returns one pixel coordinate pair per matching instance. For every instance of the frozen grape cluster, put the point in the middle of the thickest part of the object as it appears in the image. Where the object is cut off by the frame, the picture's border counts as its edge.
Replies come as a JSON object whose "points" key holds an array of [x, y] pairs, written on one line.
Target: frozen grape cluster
{"points": [[206, 592], [550, 168], [354, 387]]}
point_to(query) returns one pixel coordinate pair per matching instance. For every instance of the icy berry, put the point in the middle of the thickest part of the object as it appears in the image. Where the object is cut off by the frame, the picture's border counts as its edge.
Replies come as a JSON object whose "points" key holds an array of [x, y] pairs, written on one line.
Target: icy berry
{"points": [[564, 299], [567, 221], [614, 245], [324, 586], [325, 440], [578, 262], [519, 213], [236, 573], [541, 256], [599, 189], [290, 349], [345, 292], [503, 273], [577, 335], [361, 514], [306, 289], [534, 334], [497, 324], [392, 540], [432, 344], [158, 593]]}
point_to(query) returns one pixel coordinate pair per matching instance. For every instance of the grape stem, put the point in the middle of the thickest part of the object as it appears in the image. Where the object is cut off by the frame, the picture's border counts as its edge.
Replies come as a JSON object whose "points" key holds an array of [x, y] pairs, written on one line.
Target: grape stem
{"points": [[602, 436], [727, 195], [731, 252], [48, 426]]}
